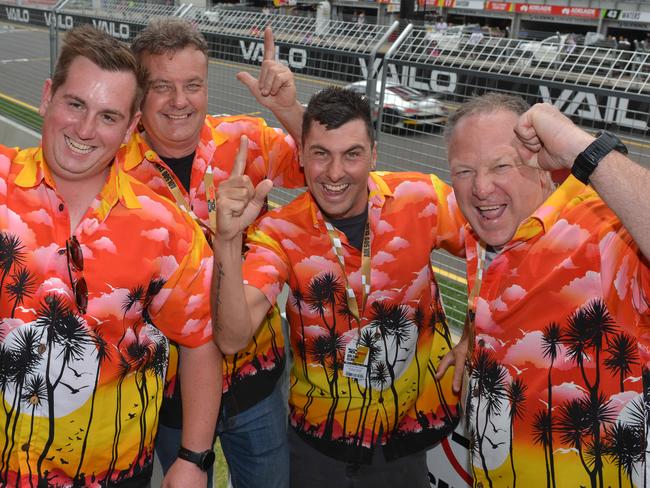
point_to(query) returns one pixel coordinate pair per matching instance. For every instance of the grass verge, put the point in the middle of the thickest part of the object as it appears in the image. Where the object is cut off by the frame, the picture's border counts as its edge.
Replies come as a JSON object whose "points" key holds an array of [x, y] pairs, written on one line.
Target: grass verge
{"points": [[20, 114]]}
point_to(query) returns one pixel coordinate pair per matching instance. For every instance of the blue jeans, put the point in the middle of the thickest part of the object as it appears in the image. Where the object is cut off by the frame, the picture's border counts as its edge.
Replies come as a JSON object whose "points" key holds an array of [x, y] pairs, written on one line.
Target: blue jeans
{"points": [[254, 443]]}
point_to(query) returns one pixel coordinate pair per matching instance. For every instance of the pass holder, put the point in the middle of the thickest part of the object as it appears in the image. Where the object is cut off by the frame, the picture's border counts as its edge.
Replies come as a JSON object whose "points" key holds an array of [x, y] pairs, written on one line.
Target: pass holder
{"points": [[356, 361]]}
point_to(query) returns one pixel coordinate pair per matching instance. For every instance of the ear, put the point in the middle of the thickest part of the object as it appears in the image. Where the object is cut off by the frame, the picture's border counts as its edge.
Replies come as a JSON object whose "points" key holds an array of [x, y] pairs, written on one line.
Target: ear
{"points": [[132, 126], [300, 149], [46, 97], [373, 160]]}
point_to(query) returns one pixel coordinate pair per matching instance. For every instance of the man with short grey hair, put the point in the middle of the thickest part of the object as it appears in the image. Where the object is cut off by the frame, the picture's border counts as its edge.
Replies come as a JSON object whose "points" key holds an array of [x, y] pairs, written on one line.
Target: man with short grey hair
{"points": [[559, 291]]}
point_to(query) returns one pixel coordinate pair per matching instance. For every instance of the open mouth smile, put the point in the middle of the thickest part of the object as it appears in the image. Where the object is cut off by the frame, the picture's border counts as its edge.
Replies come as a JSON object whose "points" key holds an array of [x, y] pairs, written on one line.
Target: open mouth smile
{"points": [[78, 147], [335, 189], [178, 117], [490, 212]]}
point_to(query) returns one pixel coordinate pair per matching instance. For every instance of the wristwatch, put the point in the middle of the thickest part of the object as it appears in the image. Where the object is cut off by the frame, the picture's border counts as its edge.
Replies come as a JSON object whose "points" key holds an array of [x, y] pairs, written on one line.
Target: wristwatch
{"points": [[204, 460], [588, 160]]}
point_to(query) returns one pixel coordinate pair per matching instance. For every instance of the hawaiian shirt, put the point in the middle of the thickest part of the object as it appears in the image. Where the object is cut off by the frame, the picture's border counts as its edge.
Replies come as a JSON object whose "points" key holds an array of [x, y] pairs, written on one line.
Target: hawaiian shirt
{"points": [[271, 154], [82, 391], [560, 383], [393, 399]]}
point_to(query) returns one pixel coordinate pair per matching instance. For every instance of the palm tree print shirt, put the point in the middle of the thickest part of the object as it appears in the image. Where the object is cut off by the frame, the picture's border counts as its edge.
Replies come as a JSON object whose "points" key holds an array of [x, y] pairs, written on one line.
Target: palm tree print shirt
{"points": [[82, 391], [402, 326], [251, 374], [559, 388]]}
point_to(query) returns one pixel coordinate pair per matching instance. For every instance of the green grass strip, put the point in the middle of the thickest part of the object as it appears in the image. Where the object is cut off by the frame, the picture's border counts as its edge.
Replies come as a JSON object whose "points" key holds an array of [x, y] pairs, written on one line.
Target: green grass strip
{"points": [[22, 115]]}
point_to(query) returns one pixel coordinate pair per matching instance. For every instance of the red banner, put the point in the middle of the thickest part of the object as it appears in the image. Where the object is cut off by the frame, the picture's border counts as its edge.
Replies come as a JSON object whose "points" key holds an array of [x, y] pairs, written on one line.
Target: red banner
{"points": [[499, 6], [539, 9]]}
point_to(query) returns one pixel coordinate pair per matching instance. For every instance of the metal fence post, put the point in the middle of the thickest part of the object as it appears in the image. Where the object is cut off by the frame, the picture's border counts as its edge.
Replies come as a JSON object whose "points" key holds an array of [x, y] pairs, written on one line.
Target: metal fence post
{"points": [[54, 34]]}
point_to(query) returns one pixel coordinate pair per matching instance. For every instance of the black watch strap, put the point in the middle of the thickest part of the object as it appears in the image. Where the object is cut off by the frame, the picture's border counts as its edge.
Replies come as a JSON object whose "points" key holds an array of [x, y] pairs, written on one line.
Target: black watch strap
{"points": [[588, 160], [204, 460]]}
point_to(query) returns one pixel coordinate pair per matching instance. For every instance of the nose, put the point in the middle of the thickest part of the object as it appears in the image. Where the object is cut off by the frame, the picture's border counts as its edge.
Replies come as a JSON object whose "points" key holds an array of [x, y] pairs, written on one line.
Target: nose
{"points": [[86, 127], [335, 169], [179, 100], [483, 184]]}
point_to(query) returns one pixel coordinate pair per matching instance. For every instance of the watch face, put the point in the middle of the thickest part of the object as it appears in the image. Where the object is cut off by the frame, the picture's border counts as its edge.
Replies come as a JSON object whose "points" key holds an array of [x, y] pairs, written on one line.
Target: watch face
{"points": [[207, 460]]}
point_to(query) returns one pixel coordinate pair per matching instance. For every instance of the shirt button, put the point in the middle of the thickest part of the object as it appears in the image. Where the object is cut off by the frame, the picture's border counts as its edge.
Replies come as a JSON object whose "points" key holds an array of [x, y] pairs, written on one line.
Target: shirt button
{"points": [[41, 349], [25, 447], [61, 251], [61, 207]]}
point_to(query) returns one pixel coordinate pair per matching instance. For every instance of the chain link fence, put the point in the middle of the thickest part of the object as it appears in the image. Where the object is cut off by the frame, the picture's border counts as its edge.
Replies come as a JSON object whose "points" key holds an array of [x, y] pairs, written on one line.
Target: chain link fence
{"points": [[414, 78]]}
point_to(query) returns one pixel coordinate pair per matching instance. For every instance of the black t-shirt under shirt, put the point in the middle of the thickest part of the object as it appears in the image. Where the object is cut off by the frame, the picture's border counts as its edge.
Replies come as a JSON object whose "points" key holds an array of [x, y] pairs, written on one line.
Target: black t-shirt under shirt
{"points": [[171, 412], [181, 167], [353, 228]]}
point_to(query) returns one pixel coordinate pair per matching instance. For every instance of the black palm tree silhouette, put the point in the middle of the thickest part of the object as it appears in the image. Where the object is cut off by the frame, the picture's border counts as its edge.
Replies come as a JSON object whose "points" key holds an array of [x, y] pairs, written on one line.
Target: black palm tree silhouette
{"points": [[135, 296], [622, 355], [542, 428], [25, 359], [327, 350], [551, 341], [624, 445], [34, 393], [124, 368], [322, 292], [379, 376], [12, 253], [576, 425], [490, 382], [22, 285], [369, 339], [139, 354], [159, 361], [103, 353], [516, 393], [392, 321], [66, 331], [588, 330]]}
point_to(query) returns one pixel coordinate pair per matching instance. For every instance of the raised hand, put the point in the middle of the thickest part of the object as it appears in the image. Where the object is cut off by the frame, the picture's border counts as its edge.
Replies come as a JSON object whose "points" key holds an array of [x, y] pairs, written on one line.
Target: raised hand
{"points": [[238, 202], [274, 88], [548, 139]]}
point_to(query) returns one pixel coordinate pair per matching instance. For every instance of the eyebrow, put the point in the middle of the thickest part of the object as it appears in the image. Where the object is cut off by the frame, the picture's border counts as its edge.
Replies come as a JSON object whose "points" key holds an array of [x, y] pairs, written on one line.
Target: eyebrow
{"points": [[351, 148], [109, 111], [165, 80]]}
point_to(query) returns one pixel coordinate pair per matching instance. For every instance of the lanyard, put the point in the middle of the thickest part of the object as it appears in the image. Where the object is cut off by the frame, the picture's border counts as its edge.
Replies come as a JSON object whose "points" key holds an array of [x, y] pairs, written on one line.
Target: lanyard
{"points": [[473, 297], [210, 195], [365, 269]]}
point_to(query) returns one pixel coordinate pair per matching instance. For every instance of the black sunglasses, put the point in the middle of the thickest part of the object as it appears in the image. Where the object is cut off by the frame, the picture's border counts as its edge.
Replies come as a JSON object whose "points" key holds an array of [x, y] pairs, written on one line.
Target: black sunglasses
{"points": [[76, 262]]}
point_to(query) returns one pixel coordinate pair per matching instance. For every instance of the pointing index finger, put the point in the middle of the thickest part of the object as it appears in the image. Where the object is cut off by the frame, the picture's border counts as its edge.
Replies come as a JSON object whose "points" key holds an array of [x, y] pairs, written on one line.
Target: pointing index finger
{"points": [[240, 160], [269, 45]]}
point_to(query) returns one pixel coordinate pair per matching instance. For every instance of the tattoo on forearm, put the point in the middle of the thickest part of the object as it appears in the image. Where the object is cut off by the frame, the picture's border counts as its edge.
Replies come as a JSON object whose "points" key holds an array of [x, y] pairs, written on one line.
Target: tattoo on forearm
{"points": [[217, 298]]}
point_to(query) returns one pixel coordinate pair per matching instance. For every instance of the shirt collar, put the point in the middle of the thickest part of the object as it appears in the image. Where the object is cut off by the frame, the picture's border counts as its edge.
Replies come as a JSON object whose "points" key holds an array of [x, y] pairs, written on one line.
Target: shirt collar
{"points": [[118, 187], [34, 169], [378, 190], [137, 149]]}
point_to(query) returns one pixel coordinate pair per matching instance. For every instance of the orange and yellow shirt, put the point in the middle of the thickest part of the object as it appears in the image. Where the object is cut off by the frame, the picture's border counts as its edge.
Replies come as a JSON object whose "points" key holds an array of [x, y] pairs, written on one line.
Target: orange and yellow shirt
{"points": [[402, 331], [82, 391], [558, 394], [251, 374]]}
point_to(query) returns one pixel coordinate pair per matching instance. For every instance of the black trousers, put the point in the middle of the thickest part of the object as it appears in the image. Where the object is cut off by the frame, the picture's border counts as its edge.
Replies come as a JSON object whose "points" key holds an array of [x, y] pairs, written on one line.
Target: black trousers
{"points": [[312, 469]]}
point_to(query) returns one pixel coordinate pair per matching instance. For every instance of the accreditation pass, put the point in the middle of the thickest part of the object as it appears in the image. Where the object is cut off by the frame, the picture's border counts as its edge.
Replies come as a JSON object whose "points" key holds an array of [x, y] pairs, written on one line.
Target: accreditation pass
{"points": [[356, 361]]}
